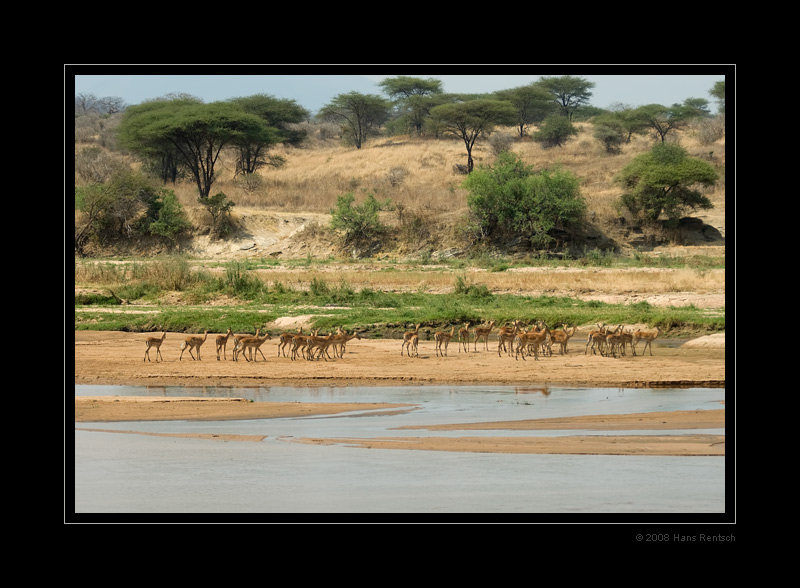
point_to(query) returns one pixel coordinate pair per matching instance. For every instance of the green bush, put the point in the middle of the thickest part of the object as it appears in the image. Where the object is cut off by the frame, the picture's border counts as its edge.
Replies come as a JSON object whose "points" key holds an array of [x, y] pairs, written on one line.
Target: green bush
{"points": [[510, 200], [360, 223]]}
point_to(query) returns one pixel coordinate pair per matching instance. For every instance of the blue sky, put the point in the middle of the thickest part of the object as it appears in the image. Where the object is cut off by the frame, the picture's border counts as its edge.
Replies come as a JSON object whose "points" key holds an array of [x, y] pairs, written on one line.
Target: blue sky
{"points": [[634, 86]]}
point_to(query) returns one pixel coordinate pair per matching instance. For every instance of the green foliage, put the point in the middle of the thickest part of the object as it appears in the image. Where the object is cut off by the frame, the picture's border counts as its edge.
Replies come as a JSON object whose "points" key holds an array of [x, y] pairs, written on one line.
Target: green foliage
{"points": [[367, 310], [569, 92], [554, 132], [533, 103], [661, 182], [191, 133], [465, 288], [510, 200], [360, 223], [472, 119], [359, 115], [239, 282], [219, 207], [171, 219], [609, 130], [122, 208]]}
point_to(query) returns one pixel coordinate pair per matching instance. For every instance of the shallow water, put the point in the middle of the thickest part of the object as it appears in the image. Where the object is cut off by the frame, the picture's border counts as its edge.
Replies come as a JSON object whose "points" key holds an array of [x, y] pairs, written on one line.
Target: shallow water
{"points": [[123, 473]]}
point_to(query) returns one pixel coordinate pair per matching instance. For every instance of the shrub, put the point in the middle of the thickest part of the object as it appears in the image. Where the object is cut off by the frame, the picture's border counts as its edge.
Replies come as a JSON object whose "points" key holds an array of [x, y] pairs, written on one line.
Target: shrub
{"points": [[510, 200], [554, 132], [360, 223]]}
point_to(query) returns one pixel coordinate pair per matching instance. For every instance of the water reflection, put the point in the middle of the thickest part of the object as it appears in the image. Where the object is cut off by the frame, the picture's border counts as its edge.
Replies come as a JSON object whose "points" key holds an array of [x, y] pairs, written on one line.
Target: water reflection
{"points": [[119, 473], [543, 390]]}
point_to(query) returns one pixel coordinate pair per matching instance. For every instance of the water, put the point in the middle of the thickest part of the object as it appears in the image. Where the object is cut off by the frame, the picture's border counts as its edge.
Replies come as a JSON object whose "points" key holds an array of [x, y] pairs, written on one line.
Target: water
{"points": [[124, 473]]}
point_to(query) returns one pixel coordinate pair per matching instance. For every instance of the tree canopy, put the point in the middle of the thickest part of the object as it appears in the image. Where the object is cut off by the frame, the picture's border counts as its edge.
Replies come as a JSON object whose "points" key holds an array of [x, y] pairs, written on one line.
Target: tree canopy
{"points": [[276, 113], [533, 104], [662, 181], [359, 115], [413, 96], [469, 120], [569, 92], [193, 132]]}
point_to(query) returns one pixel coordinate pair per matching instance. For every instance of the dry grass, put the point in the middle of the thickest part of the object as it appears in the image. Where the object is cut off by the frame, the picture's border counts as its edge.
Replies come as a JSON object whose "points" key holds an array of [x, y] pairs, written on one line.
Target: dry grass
{"points": [[418, 174], [555, 281]]}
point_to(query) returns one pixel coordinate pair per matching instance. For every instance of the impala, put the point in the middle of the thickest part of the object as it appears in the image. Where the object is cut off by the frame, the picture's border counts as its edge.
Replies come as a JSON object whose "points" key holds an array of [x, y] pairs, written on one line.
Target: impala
{"points": [[597, 339], [285, 339], [507, 335], [531, 341], [301, 342], [413, 342], [562, 337], [342, 340], [614, 341], [222, 343], [193, 342], [483, 332], [648, 336], [253, 344], [154, 342], [407, 339], [319, 342], [463, 338], [443, 338]]}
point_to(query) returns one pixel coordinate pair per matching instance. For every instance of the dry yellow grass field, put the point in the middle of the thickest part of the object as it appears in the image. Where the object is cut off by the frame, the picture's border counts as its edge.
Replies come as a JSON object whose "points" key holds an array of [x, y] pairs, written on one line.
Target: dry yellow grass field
{"points": [[418, 173]]}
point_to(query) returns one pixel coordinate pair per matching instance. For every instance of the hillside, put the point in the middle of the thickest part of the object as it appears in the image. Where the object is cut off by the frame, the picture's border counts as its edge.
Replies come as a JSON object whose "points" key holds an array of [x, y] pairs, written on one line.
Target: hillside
{"points": [[284, 213]]}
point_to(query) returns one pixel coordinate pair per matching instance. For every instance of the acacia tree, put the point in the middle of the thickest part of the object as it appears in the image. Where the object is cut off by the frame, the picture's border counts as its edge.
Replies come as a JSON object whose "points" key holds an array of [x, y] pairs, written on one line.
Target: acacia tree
{"points": [[253, 151], [413, 96], [358, 115], [533, 104], [664, 119], [662, 182], [472, 119], [718, 93], [195, 133], [569, 92]]}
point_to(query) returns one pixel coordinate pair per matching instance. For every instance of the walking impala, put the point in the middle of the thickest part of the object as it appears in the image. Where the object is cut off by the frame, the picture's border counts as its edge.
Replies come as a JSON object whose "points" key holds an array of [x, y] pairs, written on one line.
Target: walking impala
{"points": [[193, 342], [154, 342], [647, 336]]}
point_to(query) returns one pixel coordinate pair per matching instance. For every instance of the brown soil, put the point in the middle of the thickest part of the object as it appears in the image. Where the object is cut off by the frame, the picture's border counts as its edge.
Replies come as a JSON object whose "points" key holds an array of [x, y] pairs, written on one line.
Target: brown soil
{"points": [[117, 358]]}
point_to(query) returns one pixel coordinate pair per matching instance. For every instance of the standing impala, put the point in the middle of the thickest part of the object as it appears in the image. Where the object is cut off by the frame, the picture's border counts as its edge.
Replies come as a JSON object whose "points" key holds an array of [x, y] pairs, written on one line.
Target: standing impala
{"points": [[507, 335], [407, 339], [562, 337], [443, 338], [463, 338], [483, 332], [222, 343]]}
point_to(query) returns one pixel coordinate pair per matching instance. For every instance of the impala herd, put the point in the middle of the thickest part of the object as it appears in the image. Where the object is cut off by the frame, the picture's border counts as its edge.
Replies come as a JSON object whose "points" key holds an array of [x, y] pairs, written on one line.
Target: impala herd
{"points": [[513, 340]]}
